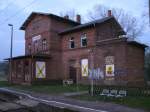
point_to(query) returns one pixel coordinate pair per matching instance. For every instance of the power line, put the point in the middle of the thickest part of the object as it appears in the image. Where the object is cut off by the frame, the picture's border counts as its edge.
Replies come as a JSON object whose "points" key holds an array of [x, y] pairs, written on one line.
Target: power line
{"points": [[16, 14], [11, 17], [3, 10]]}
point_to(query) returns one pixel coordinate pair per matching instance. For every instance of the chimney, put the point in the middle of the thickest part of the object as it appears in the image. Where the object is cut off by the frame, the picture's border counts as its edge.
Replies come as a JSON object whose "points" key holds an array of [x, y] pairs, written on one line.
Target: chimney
{"points": [[66, 17], [78, 18], [109, 13]]}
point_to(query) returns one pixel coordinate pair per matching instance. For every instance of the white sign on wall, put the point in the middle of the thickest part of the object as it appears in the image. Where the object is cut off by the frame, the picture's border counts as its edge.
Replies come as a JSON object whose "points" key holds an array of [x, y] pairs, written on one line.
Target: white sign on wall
{"points": [[84, 67], [109, 60], [36, 38], [40, 69]]}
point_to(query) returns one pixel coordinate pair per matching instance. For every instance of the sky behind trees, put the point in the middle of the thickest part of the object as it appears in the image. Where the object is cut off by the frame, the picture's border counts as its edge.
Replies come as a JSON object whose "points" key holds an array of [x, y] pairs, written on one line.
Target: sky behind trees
{"points": [[16, 12]]}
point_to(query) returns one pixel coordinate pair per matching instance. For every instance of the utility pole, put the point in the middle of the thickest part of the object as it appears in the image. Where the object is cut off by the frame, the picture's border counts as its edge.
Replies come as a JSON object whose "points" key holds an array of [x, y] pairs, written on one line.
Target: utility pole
{"points": [[11, 51], [91, 54]]}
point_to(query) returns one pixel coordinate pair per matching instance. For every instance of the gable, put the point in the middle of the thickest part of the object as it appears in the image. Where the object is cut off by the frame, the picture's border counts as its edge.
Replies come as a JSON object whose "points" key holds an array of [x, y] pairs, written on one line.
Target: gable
{"points": [[29, 19], [33, 14], [93, 23], [36, 25], [108, 30]]}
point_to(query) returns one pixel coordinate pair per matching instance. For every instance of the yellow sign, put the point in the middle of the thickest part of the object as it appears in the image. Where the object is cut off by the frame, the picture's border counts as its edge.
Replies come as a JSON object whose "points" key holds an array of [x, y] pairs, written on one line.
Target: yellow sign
{"points": [[110, 70], [40, 69], [84, 67]]}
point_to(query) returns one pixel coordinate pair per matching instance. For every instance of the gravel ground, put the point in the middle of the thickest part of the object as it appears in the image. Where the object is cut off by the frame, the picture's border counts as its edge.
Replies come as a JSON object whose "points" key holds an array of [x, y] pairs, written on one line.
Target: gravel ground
{"points": [[83, 106]]}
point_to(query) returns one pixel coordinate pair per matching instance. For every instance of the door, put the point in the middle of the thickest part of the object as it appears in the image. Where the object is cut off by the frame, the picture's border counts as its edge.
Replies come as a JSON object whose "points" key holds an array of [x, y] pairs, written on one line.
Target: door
{"points": [[26, 72], [72, 73]]}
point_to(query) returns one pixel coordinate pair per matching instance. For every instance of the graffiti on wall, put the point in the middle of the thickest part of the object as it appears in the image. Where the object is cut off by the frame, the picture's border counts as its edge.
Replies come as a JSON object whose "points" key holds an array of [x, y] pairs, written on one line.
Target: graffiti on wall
{"points": [[96, 74]]}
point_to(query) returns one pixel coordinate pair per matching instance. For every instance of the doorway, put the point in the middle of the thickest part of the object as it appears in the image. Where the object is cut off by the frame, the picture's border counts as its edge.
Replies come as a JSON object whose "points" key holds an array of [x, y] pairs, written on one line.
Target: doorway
{"points": [[72, 73]]}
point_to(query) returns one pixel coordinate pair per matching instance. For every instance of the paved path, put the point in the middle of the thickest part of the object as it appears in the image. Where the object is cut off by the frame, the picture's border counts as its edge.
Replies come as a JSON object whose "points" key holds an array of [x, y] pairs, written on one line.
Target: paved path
{"points": [[82, 106]]}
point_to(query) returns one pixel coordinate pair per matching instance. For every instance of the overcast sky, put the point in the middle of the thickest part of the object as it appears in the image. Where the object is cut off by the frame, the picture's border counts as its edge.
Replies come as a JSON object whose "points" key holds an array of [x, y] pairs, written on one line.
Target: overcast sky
{"points": [[16, 12]]}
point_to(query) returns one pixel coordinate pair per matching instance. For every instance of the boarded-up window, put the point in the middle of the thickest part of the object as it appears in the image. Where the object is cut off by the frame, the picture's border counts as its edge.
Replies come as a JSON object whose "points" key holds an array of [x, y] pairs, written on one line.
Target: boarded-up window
{"points": [[40, 69], [84, 67], [110, 67]]}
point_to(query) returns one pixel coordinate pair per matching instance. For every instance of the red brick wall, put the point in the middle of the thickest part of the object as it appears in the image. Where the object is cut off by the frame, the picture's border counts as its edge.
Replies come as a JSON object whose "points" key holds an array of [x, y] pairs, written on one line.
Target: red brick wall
{"points": [[117, 49], [78, 52], [40, 25], [55, 64], [135, 64], [90, 32], [125, 55], [48, 28], [107, 30]]}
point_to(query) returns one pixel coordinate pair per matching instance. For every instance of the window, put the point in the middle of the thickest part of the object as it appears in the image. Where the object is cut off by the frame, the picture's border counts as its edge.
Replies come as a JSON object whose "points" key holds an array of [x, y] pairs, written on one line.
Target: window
{"points": [[19, 69], [44, 44], [36, 40], [29, 48], [35, 46], [83, 40], [71, 43]]}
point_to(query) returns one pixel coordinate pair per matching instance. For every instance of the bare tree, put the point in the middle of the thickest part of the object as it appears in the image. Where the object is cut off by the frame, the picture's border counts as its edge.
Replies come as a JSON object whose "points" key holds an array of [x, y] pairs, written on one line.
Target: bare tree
{"points": [[146, 11], [129, 23]]}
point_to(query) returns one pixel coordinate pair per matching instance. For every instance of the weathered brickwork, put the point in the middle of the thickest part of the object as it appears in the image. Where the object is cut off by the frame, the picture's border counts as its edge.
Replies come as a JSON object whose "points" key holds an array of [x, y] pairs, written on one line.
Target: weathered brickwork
{"points": [[102, 37]]}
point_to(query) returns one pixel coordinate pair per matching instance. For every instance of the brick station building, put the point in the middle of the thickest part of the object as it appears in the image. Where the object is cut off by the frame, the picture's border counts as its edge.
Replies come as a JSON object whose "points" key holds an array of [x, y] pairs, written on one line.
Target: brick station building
{"points": [[57, 49]]}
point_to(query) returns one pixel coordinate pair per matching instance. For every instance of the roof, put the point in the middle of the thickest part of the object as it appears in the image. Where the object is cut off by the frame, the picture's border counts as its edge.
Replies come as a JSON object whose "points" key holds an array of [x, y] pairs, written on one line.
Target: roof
{"points": [[93, 23], [31, 16], [136, 43], [123, 39], [30, 56]]}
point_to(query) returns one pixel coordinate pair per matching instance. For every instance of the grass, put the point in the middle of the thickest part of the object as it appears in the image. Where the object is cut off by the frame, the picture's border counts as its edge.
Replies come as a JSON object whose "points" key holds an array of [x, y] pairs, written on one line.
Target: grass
{"points": [[50, 89], [3, 77], [4, 84], [134, 101]]}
